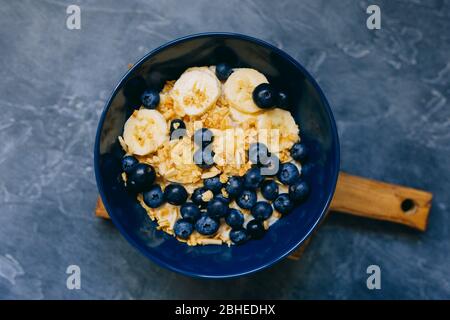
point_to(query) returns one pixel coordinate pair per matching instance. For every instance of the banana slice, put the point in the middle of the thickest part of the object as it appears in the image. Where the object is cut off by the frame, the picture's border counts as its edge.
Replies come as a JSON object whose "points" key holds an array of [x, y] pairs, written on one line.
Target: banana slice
{"points": [[240, 117], [239, 88], [277, 119], [196, 90], [279, 127], [145, 131]]}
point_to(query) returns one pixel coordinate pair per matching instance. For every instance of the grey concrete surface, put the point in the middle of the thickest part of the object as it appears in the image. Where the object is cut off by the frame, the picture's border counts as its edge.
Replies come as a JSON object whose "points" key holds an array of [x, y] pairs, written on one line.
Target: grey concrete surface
{"points": [[389, 90]]}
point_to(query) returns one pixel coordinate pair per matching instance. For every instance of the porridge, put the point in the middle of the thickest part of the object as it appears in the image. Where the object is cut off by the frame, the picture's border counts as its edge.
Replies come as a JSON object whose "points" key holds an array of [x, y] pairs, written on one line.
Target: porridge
{"points": [[215, 156]]}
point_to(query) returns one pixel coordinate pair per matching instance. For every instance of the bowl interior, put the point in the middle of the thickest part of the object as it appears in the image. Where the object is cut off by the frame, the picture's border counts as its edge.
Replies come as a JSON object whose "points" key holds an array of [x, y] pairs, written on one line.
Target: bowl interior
{"points": [[309, 109]]}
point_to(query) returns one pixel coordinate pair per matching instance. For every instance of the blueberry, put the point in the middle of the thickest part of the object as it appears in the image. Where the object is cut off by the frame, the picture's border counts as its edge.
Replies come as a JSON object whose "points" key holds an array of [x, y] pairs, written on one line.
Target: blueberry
{"points": [[154, 197], [183, 228], [223, 71], [269, 189], [197, 196], [177, 129], [213, 184], [255, 229], [298, 191], [203, 137], [206, 225], [258, 153], [204, 158], [265, 96], [190, 211], [175, 194], [238, 236], [141, 177], [247, 199], [128, 162], [283, 204], [283, 100], [288, 173], [234, 218], [150, 99], [222, 197], [299, 151], [253, 179], [216, 208], [234, 186], [262, 210]]}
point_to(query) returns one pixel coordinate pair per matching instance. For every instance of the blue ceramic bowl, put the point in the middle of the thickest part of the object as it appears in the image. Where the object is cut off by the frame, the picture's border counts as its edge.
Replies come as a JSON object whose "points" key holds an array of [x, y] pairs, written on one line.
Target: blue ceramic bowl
{"points": [[309, 108]]}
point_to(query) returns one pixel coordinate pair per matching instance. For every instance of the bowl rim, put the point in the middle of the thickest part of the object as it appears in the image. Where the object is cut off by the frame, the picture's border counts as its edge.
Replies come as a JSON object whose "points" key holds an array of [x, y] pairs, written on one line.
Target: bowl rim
{"points": [[284, 55]]}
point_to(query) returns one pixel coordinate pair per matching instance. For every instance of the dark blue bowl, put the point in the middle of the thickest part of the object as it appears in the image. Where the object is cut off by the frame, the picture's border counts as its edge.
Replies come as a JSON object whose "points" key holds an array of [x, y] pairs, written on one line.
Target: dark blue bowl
{"points": [[309, 108]]}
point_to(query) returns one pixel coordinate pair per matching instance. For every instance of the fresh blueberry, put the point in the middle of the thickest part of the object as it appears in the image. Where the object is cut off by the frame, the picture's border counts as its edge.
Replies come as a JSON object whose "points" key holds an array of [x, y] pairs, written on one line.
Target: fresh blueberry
{"points": [[262, 210], [255, 229], [204, 158], [269, 189], [197, 196], [128, 162], [299, 151], [258, 153], [223, 71], [247, 199], [298, 191], [183, 228], [179, 127], [283, 100], [234, 186], [222, 197], [288, 173], [238, 236], [141, 177], [154, 196], [234, 218], [213, 184], [206, 225], [175, 194], [265, 96], [203, 137], [150, 99], [190, 211], [283, 204], [253, 179], [216, 208]]}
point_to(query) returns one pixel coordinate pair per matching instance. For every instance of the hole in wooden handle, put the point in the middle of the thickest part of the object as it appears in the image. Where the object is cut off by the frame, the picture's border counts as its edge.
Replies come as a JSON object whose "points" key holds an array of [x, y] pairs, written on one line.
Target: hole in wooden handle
{"points": [[408, 206]]}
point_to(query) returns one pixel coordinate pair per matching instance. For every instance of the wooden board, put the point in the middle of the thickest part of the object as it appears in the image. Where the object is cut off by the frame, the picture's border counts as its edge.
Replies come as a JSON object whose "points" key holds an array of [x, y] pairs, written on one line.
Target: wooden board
{"points": [[366, 198]]}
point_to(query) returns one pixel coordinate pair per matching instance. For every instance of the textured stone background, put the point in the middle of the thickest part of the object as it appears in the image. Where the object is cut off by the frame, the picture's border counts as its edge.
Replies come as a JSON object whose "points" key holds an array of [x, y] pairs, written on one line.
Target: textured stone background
{"points": [[389, 90]]}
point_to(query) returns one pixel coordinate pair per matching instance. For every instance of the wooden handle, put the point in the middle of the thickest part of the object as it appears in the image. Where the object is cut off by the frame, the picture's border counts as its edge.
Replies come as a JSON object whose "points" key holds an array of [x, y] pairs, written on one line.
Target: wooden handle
{"points": [[381, 201], [100, 210]]}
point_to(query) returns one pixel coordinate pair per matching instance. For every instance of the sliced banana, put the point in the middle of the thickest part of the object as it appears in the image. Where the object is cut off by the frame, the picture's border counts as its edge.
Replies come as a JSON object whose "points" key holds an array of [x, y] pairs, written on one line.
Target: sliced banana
{"points": [[145, 131], [196, 90], [239, 88], [278, 127], [240, 117], [277, 119]]}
